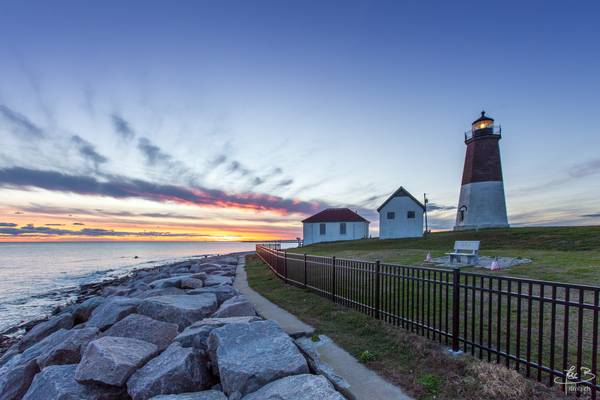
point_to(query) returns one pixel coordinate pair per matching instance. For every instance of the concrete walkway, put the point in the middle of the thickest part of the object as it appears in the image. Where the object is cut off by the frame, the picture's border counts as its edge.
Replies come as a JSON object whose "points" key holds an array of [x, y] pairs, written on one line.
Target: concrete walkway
{"points": [[364, 383]]}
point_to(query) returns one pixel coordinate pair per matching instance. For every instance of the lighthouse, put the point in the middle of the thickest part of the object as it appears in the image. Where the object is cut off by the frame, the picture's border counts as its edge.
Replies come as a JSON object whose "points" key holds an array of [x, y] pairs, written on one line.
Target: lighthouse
{"points": [[481, 203]]}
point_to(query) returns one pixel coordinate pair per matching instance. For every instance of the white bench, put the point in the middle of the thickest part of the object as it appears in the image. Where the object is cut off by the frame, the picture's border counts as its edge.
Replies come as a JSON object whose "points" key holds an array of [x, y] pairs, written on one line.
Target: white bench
{"points": [[467, 249]]}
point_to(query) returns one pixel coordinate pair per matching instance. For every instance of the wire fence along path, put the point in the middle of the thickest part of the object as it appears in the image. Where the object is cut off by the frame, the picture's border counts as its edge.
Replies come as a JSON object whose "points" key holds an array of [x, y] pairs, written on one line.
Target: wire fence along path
{"points": [[546, 330]]}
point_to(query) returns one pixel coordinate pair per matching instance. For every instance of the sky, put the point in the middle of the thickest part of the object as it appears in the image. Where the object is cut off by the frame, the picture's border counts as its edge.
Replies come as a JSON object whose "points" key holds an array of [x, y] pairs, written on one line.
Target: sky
{"points": [[234, 120]]}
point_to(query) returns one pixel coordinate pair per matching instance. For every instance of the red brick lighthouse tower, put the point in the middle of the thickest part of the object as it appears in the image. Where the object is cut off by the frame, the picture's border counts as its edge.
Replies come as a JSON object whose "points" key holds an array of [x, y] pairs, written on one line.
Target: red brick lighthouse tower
{"points": [[482, 203]]}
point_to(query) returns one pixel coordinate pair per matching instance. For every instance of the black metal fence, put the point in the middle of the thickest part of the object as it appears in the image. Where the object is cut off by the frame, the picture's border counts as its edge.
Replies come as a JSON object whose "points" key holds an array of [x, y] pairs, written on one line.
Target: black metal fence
{"points": [[546, 330]]}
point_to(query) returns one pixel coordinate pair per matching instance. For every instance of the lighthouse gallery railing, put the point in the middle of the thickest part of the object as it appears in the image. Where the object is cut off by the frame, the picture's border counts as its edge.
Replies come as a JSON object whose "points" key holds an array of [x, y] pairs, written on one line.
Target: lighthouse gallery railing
{"points": [[546, 330]]}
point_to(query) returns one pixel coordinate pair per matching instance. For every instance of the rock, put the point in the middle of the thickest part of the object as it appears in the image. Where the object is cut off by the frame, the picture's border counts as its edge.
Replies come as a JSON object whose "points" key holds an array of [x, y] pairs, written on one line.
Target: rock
{"points": [[218, 280], [182, 310], [204, 395], [144, 328], [249, 356], [191, 283], [176, 370], [43, 329], [196, 335], [58, 382], [111, 311], [8, 354], [112, 360], [116, 291], [82, 311], [16, 376], [144, 294], [307, 347], [298, 387], [173, 281], [237, 306], [69, 349], [223, 293]]}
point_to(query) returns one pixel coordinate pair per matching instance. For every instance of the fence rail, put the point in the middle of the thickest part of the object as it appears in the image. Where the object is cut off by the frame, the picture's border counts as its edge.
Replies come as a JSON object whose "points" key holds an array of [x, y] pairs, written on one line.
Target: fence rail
{"points": [[546, 330]]}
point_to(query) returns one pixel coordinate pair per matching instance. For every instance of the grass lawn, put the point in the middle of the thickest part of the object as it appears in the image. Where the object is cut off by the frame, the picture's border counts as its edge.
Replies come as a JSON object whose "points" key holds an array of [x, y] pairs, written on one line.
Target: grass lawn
{"points": [[420, 366], [566, 254]]}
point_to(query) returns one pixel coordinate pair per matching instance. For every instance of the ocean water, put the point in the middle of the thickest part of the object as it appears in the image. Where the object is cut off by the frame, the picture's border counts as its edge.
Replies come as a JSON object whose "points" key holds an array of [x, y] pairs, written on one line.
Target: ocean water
{"points": [[36, 277]]}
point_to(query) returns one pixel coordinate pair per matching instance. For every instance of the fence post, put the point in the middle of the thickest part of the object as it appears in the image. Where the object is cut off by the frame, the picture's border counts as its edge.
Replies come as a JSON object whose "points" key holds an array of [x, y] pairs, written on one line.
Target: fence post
{"points": [[333, 279], [285, 271], [455, 308], [377, 289], [305, 280]]}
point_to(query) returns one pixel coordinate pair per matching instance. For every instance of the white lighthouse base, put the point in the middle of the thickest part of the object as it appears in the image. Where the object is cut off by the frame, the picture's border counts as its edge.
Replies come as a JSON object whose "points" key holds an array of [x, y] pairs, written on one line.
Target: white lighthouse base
{"points": [[481, 205]]}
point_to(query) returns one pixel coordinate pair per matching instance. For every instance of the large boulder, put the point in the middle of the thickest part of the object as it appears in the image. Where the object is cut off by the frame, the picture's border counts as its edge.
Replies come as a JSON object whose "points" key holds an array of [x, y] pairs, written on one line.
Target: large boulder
{"points": [[144, 328], [111, 311], [196, 335], [112, 360], [204, 395], [237, 306], [18, 372], [116, 291], [248, 356], [172, 281], [218, 280], [182, 310], [298, 387], [223, 293], [69, 349], [82, 311], [16, 376], [144, 294], [58, 382], [190, 283], [175, 370], [43, 329]]}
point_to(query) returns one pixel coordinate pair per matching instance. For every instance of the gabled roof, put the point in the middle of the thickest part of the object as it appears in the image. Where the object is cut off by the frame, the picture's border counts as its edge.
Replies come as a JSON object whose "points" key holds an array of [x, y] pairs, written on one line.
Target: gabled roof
{"points": [[336, 215], [401, 192]]}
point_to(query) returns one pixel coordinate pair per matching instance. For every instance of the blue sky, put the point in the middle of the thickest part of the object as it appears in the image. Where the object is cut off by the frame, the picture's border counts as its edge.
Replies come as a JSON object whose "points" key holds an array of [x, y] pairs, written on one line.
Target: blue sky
{"points": [[279, 108]]}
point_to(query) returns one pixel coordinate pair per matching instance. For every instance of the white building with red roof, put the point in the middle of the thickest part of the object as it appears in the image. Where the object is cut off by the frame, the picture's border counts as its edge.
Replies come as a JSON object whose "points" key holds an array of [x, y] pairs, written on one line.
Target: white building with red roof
{"points": [[334, 224]]}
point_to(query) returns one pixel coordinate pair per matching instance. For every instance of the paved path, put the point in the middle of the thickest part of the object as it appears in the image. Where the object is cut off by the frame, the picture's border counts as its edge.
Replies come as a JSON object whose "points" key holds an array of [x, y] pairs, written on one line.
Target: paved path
{"points": [[364, 383]]}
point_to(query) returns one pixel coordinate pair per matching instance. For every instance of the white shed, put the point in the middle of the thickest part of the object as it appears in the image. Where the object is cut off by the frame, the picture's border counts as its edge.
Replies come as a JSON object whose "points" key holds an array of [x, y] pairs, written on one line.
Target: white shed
{"points": [[401, 216], [334, 224]]}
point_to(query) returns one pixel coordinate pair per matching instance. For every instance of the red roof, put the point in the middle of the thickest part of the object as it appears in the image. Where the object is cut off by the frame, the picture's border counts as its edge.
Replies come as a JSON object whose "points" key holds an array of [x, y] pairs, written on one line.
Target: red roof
{"points": [[336, 215]]}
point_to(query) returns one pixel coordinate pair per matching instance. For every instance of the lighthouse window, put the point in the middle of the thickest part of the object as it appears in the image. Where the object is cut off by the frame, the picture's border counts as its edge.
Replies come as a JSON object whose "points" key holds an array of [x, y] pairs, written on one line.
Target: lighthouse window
{"points": [[342, 228], [410, 215], [322, 229], [391, 215]]}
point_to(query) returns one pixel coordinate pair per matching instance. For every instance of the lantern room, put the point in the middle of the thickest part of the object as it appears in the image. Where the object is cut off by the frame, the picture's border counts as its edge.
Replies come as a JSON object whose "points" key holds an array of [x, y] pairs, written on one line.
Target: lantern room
{"points": [[483, 125]]}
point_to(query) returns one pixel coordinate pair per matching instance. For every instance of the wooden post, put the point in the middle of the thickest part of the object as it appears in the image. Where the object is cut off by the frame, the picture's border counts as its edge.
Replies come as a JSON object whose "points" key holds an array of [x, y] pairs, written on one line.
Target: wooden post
{"points": [[285, 271]]}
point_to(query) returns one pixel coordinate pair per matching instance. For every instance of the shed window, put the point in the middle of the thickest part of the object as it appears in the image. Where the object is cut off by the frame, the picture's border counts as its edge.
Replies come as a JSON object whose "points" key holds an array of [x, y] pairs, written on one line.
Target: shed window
{"points": [[391, 215], [410, 215], [342, 228], [322, 229]]}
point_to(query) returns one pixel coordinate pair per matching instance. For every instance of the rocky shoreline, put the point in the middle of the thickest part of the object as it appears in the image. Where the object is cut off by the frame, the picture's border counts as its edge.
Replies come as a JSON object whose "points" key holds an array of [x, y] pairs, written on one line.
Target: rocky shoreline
{"points": [[175, 332]]}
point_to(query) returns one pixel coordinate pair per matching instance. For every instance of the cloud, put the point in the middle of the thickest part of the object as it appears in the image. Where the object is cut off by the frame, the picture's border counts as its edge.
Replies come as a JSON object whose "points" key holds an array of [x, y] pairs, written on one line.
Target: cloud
{"points": [[55, 224], [121, 187], [235, 166], [258, 181], [122, 127], [218, 160], [30, 229], [284, 183], [88, 151], [78, 223], [20, 124], [439, 207], [152, 153], [584, 169], [595, 215], [7, 224]]}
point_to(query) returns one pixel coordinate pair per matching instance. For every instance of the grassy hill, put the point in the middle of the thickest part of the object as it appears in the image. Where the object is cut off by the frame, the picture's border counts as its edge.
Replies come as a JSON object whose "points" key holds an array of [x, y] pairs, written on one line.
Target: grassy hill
{"points": [[568, 254]]}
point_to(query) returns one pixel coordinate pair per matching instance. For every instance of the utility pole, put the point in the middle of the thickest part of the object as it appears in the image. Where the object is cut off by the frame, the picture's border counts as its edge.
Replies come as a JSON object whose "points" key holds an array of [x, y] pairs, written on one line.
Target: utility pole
{"points": [[425, 201]]}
